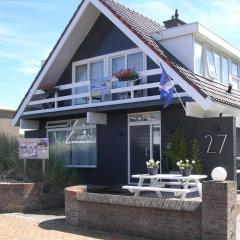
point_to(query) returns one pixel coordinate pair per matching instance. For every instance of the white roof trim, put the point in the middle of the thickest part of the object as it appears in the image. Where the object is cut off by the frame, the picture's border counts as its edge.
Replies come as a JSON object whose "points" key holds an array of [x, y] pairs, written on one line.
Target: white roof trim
{"points": [[200, 32], [205, 103], [176, 31], [50, 61]]}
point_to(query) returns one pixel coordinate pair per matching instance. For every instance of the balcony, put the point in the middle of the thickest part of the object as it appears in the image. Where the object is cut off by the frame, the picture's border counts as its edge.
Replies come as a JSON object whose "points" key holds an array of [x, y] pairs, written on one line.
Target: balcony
{"points": [[81, 95]]}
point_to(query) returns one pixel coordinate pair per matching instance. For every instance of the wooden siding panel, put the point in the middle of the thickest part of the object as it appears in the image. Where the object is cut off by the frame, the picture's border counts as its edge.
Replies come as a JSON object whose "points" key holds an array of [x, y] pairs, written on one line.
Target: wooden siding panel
{"points": [[103, 38]]}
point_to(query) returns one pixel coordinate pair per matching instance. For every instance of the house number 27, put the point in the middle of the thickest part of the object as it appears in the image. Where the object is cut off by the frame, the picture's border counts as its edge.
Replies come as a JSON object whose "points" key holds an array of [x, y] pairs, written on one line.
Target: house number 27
{"points": [[210, 138]]}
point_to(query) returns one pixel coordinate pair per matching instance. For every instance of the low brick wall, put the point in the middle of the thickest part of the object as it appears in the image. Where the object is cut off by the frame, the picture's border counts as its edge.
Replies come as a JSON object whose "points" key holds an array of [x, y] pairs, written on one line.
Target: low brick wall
{"points": [[212, 218], [18, 197]]}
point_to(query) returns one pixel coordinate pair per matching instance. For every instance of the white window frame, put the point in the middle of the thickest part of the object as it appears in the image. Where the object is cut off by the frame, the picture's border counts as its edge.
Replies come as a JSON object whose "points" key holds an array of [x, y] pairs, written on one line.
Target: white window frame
{"points": [[125, 55], [233, 77], [107, 66], [208, 48], [88, 63], [107, 61], [59, 129], [222, 55], [202, 68], [229, 67]]}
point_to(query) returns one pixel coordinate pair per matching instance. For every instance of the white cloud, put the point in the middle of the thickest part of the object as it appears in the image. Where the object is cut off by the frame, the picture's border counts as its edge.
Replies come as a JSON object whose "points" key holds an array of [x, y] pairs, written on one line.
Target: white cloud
{"points": [[29, 70]]}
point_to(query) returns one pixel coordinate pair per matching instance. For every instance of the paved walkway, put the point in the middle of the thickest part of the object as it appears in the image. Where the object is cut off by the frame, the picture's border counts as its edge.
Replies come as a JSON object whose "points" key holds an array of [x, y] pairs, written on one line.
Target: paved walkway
{"points": [[48, 226], [51, 225]]}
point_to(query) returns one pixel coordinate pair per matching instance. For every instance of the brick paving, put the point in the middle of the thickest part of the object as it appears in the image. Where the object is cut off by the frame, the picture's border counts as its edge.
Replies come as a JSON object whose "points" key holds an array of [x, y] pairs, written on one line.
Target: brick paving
{"points": [[48, 226], [52, 226]]}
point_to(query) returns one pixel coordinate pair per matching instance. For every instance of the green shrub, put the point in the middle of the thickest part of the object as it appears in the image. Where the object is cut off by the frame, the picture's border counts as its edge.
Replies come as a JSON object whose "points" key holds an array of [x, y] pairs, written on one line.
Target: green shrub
{"points": [[57, 176], [195, 155], [177, 147], [181, 147], [11, 167], [9, 163]]}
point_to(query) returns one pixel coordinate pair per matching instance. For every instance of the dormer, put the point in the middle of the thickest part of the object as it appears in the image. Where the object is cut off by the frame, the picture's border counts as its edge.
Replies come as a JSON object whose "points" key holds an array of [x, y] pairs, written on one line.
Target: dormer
{"points": [[201, 50]]}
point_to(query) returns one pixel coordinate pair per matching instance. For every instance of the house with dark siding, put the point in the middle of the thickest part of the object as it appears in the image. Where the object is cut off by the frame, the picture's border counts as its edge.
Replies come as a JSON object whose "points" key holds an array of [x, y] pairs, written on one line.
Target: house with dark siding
{"points": [[105, 128]]}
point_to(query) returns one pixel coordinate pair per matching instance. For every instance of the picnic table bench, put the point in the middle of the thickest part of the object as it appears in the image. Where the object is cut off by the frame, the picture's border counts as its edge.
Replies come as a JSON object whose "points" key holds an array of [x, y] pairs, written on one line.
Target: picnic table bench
{"points": [[190, 184]]}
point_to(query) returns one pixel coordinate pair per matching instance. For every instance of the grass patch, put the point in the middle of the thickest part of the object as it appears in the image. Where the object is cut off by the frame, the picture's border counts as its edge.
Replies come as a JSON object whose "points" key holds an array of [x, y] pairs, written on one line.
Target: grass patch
{"points": [[11, 167]]}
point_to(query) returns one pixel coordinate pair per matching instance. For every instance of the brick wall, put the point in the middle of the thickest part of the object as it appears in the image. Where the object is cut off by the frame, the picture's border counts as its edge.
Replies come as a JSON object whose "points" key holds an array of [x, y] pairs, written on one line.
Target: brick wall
{"points": [[17, 197], [71, 203], [212, 218], [219, 210]]}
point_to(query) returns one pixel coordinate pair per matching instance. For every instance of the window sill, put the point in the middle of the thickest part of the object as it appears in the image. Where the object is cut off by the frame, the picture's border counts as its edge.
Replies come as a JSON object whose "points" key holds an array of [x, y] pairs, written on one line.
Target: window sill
{"points": [[80, 166]]}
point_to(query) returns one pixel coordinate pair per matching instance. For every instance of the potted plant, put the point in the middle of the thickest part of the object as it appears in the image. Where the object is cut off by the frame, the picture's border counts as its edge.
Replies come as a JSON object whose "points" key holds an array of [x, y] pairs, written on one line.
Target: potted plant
{"points": [[49, 88], [152, 167], [126, 75], [185, 167]]}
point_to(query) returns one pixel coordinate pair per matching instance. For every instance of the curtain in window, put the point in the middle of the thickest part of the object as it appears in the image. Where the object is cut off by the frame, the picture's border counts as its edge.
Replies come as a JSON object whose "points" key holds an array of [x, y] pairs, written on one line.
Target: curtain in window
{"points": [[81, 76], [84, 147], [198, 68], [76, 147], [96, 75], [225, 70], [135, 61], [211, 63], [59, 149], [217, 60], [96, 72], [118, 64], [234, 69]]}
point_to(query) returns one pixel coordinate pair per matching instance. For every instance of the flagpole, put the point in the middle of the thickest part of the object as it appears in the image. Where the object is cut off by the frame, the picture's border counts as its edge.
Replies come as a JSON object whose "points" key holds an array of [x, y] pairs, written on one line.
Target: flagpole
{"points": [[173, 86], [178, 96]]}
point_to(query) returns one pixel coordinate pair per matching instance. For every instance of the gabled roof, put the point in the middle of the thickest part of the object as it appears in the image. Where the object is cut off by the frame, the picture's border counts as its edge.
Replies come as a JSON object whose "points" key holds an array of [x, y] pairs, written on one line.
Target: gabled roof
{"points": [[144, 27], [139, 29]]}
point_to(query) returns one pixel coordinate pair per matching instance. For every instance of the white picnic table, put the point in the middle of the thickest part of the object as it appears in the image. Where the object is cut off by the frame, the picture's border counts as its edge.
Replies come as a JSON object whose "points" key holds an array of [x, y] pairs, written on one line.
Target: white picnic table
{"points": [[159, 184]]}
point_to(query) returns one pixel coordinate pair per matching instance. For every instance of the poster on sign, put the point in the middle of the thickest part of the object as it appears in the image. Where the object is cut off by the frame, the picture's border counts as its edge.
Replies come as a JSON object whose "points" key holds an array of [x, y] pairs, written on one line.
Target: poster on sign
{"points": [[100, 88], [34, 148]]}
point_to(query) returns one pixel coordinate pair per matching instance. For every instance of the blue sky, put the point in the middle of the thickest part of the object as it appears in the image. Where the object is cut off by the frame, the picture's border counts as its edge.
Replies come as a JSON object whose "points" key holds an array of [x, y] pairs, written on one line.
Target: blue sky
{"points": [[30, 28]]}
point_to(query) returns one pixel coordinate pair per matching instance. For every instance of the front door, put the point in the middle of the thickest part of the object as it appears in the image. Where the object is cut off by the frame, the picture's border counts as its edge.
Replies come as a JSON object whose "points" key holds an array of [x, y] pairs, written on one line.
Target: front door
{"points": [[144, 141]]}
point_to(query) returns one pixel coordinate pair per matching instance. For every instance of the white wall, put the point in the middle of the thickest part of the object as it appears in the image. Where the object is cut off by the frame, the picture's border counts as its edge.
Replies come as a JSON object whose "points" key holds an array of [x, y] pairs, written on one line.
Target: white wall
{"points": [[182, 48]]}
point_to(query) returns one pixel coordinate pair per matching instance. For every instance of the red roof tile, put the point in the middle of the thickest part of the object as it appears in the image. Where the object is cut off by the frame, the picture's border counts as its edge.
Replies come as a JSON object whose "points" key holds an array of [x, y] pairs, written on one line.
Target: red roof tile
{"points": [[143, 27]]}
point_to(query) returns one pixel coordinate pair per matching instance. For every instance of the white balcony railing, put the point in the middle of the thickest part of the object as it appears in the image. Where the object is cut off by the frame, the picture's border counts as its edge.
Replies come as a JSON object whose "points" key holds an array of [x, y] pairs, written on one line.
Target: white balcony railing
{"points": [[42, 103]]}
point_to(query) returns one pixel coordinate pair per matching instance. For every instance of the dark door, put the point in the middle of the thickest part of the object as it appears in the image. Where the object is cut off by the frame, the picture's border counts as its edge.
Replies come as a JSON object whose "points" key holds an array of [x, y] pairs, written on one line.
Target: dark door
{"points": [[139, 149]]}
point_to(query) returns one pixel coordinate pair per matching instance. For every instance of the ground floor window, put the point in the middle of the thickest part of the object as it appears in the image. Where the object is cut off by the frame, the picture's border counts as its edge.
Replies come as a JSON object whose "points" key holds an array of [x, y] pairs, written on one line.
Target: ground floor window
{"points": [[74, 142]]}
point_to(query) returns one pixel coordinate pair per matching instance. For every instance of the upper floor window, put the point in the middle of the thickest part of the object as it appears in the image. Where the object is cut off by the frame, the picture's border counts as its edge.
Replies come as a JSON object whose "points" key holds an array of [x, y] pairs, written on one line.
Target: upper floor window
{"points": [[225, 73], [235, 76], [217, 61], [118, 63], [98, 71], [198, 58], [212, 64], [135, 60], [234, 69]]}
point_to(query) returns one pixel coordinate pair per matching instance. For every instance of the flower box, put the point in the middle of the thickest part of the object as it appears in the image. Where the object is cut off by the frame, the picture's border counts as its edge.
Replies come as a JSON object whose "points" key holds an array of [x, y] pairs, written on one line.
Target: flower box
{"points": [[49, 88], [126, 75]]}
